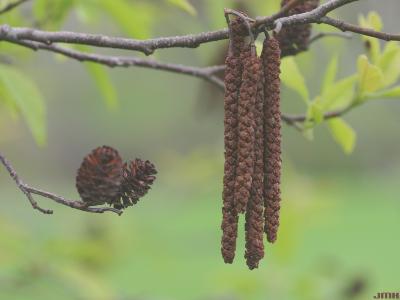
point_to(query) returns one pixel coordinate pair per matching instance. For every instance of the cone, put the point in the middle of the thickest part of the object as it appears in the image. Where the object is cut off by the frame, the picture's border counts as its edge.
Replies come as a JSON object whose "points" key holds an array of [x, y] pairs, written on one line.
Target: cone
{"points": [[138, 176], [99, 177]]}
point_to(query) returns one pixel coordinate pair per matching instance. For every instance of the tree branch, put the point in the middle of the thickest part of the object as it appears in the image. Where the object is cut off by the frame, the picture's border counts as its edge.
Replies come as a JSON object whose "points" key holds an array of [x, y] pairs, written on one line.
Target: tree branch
{"points": [[206, 73], [320, 35], [149, 46], [343, 26], [11, 6], [28, 191]]}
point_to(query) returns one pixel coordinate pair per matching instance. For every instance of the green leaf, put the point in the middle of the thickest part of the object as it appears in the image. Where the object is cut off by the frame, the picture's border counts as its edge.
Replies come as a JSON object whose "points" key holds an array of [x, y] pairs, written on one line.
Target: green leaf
{"points": [[27, 98], [370, 77], [8, 101], [184, 5], [343, 134], [51, 14], [293, 79], [103, 82], [373, 21], [134, 18], [338, 95], [315, 113], [391, 93], [389, 62], [330, 74]]}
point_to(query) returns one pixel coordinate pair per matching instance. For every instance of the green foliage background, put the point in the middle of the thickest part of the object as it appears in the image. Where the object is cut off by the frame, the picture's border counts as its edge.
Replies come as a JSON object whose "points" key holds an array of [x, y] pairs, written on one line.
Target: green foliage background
{"points": [[340, 212]]}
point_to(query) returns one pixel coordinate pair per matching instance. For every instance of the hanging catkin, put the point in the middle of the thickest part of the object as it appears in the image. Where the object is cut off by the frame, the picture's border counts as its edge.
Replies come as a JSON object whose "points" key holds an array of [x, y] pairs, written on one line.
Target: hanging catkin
{"points": [[255, 207], [293, 39], [233, 78], [247, 100], [272, 127]]}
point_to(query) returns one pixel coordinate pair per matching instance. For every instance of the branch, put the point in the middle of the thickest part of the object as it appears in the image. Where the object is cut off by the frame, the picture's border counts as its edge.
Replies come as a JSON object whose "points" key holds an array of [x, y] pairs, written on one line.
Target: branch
{"points": [[98, 40], [343, 26], [312, 16], [28, 191], [11, 6], [275, 21], [320, 35], [206, 73]]}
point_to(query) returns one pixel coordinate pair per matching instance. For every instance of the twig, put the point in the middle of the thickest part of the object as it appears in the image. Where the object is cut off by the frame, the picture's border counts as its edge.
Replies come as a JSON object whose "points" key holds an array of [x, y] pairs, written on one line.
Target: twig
{"points": [[343, 26], [11, 6], [206, 73], [320, 35], [28, 191], [149, 46]]}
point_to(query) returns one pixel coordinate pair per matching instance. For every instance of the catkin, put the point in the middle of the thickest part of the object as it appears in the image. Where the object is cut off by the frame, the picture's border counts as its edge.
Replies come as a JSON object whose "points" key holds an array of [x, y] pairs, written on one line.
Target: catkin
{"points": [[272, 130], [246, 128], [255, 207], [294, 39], [233, 78]]}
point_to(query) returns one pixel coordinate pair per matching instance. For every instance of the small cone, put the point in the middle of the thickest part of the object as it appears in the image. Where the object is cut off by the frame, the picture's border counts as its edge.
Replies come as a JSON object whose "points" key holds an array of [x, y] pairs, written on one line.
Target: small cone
{"points": [[138, 176], [99, 176]]}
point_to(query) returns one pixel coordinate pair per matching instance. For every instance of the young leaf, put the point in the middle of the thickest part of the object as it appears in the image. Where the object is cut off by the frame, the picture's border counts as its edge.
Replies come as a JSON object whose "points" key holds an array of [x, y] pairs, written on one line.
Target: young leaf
{"points": [[389, 62], [132, 17], [103, 81], [330, 74], [293, 79], [315, 112], [8, 102], [343, 134], [338, 95], [370, 77], [27, 98], [374, 22], [52, 13], [391, 93], [184, 5]]}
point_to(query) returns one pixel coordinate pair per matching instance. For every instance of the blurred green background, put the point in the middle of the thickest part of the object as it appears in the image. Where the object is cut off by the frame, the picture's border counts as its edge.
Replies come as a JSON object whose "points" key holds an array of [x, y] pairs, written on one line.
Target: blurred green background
{"points": [[340, 213]]}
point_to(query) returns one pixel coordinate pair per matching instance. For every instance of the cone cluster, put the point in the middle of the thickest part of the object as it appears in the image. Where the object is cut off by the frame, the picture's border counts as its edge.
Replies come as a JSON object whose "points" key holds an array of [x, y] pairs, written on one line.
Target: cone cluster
{"points": [[103, 179], [252, 140], [294, 39]]}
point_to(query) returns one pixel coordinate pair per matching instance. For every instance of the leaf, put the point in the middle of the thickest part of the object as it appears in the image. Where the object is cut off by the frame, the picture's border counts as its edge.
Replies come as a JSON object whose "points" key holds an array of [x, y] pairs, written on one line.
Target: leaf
{"points": [[338, 95], [103, 82], [51, 13], [8, 102], [330, 74], [292, 78], [370, 77], [315, 112], [343, 134], [391, 93], [27, 98], [184, 5], [373, 21], [389, 63], [132, 17]]}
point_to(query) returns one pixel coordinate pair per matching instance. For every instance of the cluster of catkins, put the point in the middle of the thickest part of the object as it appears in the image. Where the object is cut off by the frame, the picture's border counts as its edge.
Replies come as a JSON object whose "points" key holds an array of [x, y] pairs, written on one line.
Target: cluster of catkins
{"points": [[104, 179], [294, 39], [252, 137]]}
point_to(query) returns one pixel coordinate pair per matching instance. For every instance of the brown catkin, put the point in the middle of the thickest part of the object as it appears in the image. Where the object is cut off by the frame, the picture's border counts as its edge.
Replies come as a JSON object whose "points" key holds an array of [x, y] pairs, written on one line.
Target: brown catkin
{"points": [[233, 79], [272, 130], [293, 39], [255, 207], [246, 128]]}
